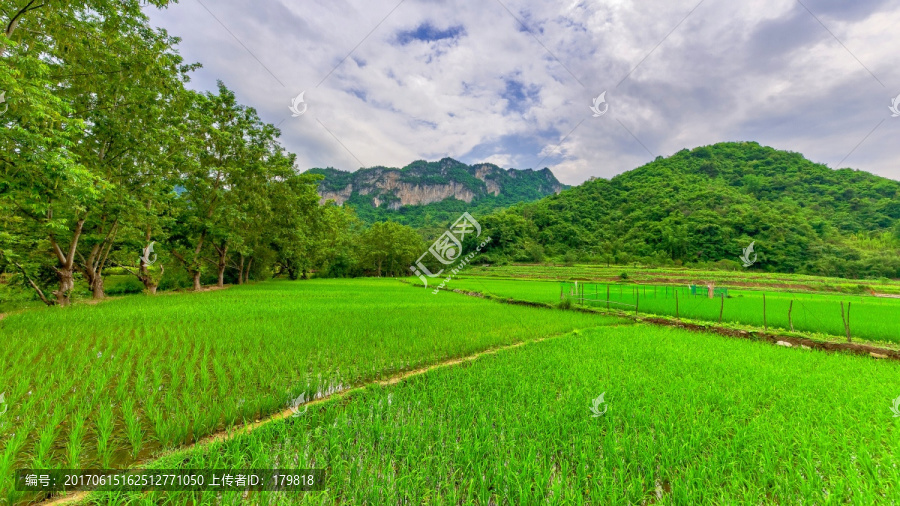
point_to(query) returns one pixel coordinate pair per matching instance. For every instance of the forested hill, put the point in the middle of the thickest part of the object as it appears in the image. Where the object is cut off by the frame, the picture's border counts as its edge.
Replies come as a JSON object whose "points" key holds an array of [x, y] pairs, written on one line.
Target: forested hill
{"points": [[704, 205], [430, 193]]}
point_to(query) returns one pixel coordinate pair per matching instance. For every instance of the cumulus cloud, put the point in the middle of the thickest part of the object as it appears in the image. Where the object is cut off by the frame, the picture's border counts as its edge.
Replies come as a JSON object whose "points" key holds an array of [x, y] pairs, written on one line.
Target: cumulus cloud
{"points": [[511, 81]]}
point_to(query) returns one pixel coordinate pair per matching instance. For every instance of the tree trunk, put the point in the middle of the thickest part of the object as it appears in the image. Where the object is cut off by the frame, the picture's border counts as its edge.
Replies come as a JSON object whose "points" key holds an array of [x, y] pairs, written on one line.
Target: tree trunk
{"points": [[222, 263], [197, 286], [65, 273], [241, 271], [247, 274], [92, 273], [66, 277], [221, 282], [150, 284], [97, 287]]}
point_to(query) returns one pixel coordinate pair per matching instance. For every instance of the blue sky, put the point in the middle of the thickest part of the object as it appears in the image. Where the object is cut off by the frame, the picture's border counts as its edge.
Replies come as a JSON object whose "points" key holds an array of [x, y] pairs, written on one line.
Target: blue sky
{"points": [[512, 82]]}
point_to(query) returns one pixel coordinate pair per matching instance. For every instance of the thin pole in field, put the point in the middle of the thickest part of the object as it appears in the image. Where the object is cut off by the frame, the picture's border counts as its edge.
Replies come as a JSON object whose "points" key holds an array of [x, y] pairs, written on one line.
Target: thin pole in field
{"points": [[846, 321], [676, 305], [637, 302], [791, 320], [765, 324], [721, 308], [607, 296]]}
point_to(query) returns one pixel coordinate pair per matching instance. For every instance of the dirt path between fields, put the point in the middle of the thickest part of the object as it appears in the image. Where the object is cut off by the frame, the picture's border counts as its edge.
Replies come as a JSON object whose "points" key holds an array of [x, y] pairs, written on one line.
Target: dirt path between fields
{"points": [[76, 497]]}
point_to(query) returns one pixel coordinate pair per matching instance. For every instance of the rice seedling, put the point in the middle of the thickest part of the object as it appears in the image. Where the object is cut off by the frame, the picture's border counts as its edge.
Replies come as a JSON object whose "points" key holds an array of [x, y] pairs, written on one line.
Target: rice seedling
{"points": [[133, 430], [172, 369], [105, 421], [688, 418], [775, 281], [870, 318]]}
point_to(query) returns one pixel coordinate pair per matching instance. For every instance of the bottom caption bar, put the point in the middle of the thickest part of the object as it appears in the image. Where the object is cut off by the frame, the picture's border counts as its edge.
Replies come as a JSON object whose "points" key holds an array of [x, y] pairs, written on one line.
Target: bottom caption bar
{"points": [[142, 480]]}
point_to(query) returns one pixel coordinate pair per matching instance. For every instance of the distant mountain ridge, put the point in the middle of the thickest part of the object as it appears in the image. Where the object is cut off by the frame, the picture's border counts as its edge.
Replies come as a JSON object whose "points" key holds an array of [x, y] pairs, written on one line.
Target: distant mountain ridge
{"points": [[705, 205], [387, 193]]}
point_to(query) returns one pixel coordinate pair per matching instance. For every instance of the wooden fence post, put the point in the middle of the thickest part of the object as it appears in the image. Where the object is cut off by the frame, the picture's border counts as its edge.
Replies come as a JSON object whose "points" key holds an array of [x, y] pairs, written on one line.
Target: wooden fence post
{"points": [[765, 324], [846, 320], [721, 309], [676, 305], [637, 303], [790, 319]]}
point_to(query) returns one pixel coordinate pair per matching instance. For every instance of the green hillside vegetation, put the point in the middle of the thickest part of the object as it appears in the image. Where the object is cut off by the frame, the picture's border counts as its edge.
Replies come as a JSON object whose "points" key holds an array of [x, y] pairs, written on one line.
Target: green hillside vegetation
{"points": [[516, 186], [700, 207]]}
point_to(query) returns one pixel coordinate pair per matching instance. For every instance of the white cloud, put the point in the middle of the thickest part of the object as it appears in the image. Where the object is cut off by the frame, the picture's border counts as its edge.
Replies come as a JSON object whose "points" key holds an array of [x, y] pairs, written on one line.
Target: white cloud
{"points": [[766, 71]]}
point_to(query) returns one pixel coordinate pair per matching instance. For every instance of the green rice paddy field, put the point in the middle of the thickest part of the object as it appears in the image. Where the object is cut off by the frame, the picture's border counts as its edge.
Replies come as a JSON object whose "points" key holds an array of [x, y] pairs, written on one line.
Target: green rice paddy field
{"points": [[688, 418], [871, 318], [104, 386], [683, 275]]}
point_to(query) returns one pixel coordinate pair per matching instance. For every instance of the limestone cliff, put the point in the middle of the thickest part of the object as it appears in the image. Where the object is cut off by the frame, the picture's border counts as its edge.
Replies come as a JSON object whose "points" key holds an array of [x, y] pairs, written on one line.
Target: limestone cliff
{"points": [[422, 183]]}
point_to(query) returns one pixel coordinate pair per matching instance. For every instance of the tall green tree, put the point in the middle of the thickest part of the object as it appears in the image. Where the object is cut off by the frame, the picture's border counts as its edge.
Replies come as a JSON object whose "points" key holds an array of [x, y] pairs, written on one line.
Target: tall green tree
{"points": [[72, 74]]}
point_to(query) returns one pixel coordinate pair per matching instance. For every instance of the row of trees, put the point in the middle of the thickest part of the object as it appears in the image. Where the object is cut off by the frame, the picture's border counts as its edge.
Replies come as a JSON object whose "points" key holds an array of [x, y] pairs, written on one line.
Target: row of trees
{"points": [[107, 159]]}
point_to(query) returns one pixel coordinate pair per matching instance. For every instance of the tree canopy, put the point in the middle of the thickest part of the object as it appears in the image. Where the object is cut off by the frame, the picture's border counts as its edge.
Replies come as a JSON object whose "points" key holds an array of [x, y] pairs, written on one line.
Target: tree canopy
{"points": [[705, 205]]}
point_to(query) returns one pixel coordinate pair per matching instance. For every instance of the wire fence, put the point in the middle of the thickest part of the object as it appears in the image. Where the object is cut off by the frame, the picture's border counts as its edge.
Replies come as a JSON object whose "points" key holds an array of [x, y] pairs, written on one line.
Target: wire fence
{"points": [[875, 319]]}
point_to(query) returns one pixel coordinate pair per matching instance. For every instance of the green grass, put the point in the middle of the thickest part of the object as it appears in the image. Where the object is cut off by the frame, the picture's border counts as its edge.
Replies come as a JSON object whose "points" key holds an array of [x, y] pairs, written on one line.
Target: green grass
{"points": [[691, 418], [871, 318], [91, 386]]}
